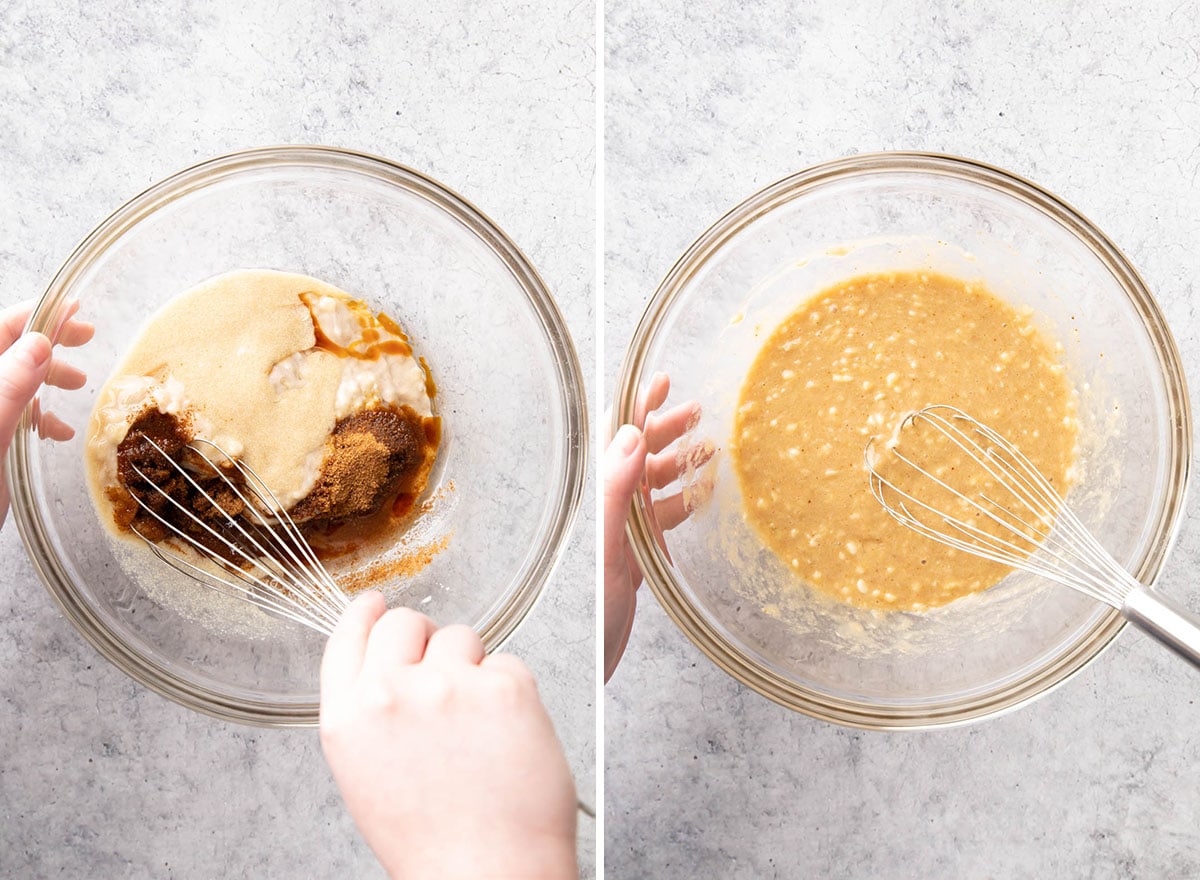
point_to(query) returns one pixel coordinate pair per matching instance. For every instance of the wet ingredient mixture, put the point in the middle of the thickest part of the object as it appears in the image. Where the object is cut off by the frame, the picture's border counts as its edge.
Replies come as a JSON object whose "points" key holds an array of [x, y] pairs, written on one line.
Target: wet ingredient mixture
{"points": [[848, 365], [319, 396]]}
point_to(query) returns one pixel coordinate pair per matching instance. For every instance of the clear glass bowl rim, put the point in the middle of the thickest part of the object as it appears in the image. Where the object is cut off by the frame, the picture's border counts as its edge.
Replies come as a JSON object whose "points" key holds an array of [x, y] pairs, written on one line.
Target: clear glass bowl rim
{"points": [[657, 568], [572, 402]]}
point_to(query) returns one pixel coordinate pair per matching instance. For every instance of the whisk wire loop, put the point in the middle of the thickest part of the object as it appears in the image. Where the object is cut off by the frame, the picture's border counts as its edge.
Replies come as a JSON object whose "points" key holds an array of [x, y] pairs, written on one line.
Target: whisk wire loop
{"points": [[1037, 532], [304, 566], [1058, 561], [282, 575], [258, 593]]}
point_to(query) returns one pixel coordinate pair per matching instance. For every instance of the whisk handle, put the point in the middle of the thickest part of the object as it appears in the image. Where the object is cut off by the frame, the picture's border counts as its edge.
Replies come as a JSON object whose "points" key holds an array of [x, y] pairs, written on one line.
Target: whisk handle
{"points": [[1161, 618]]}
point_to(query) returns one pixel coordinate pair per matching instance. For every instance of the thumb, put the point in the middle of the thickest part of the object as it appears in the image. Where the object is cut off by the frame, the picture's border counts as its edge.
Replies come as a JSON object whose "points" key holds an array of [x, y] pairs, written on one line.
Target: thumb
{"points": [[23, 368], [624, 464], [346, 648]]}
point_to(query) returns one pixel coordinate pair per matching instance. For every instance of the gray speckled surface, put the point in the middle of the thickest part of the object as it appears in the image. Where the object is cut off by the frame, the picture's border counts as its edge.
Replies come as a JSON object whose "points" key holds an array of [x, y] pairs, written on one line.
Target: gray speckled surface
{"points": [[99, 777], [1098, 103]]}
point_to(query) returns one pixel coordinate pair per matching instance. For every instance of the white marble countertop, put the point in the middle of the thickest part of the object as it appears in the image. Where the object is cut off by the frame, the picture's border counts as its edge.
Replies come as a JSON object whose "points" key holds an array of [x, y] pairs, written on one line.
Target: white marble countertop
{"points": [[1096, 102], [99, 777]]}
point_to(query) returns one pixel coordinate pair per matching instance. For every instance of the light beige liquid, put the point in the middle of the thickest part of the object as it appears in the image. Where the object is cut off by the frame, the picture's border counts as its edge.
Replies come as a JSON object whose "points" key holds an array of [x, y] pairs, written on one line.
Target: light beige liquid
{"points": [[848, 365]]}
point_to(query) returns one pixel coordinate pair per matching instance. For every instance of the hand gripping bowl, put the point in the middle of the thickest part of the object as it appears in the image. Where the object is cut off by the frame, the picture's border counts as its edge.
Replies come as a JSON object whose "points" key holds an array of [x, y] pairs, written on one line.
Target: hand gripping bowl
{"points": [[980, 655], [511, 468]]}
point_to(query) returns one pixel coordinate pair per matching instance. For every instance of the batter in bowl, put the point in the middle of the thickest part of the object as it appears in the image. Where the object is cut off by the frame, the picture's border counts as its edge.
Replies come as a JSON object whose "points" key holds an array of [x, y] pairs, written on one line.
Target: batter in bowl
{"points": [[847, 366], [323, 399]]}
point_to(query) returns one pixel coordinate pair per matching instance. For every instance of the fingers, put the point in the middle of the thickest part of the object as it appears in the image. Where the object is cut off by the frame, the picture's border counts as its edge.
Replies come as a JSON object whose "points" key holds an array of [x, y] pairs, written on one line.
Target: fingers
{"points": [[623, 466], [661, 470], [70, 332], [18, 384], [619, 612], [51, 427], [510, 666], [398, 639], [670, 511], [12, 323], [652, 397], [67, 331], [75, 333], [624, 463], [63, 375], [663, 429], [23, 367], [454, 644], [370, 636], [347, 646], [665, 468]]}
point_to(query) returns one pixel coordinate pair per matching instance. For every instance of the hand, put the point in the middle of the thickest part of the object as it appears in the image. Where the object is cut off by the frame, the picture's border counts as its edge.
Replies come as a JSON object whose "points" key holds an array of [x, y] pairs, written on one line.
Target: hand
{"points": [[446, 759], [26, 362], [631, 456]]}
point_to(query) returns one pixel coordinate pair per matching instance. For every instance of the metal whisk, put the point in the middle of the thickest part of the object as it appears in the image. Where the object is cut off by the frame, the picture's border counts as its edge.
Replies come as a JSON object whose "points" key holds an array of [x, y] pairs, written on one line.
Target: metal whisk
{"points": [[258, 553], [1033, 530]]}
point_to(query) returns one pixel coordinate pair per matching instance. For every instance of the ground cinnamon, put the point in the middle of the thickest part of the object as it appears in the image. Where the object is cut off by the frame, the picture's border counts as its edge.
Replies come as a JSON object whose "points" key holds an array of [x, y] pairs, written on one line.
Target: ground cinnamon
{"points": [[354, 470], [370, 457]]}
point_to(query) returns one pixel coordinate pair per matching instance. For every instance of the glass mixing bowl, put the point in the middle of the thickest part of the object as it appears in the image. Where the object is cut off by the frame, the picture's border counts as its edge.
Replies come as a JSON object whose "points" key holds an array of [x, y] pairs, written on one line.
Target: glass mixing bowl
{"points": [[511, 468], [980, 655]]}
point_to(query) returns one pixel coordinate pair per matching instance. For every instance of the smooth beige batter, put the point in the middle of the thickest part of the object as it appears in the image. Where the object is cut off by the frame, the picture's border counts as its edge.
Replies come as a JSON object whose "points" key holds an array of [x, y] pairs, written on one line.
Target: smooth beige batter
{"points": [[847, 366]]}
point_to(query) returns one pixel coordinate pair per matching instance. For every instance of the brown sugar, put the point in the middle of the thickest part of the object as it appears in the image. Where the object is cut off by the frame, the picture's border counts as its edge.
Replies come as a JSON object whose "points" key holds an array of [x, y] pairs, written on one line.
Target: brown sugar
{"points": [[152, 436], [156, 499]]}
